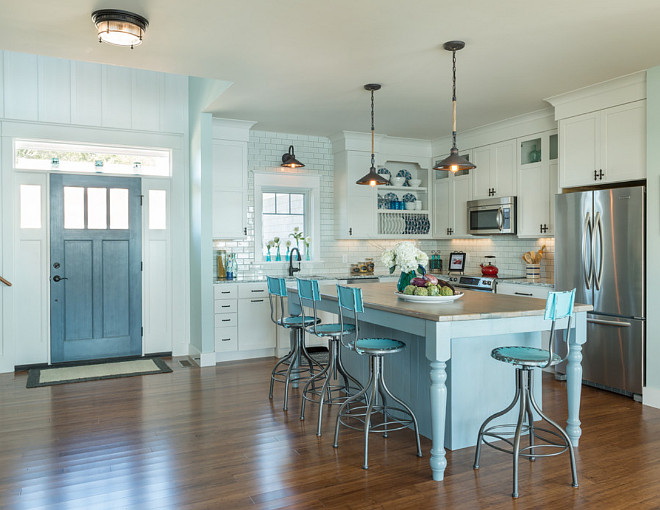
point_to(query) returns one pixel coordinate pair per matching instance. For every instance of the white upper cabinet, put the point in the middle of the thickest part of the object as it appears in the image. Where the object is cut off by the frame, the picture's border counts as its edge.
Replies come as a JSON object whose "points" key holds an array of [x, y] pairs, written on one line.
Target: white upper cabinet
{"points": [[602, 132], [355, 205], [604, 147], [451, 192], [495, 175], [537, 184], [229, 189]]}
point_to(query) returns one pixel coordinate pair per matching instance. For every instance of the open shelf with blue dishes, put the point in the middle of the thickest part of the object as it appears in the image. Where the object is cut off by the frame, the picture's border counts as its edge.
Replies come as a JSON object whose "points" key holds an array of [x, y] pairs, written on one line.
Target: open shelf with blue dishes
{"points": [[403, 205]]}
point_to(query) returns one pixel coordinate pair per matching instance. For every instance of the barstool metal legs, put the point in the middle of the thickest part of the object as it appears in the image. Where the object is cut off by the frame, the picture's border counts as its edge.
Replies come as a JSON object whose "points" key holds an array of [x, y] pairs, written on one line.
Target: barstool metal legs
{"points": [[376, 386], [525, 395], [562, 432], [295, 359]]}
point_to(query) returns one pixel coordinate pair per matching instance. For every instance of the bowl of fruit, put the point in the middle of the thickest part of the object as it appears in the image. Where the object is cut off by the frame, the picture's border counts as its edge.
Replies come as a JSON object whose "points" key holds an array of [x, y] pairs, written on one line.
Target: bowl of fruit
{"points": [[429, 289]]}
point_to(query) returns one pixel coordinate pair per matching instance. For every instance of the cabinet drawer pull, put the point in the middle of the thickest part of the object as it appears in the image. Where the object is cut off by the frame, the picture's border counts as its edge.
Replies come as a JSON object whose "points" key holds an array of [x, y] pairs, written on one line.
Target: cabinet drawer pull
{"points": [[226, 339], [258, 290], [256, 300], [226, 320], [225, 291], [523, 294], [226, 306]]}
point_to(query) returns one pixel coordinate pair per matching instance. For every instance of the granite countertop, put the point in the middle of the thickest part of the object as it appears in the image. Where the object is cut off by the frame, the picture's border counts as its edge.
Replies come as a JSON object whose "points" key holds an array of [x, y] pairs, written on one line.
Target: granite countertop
{"points": [[473, 305], [539, 282], [257, 279]]}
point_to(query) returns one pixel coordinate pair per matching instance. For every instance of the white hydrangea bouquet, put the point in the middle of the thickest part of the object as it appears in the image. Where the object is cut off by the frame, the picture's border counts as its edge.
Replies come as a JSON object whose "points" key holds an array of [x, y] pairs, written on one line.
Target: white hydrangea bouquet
{"points": [[407, 258]]}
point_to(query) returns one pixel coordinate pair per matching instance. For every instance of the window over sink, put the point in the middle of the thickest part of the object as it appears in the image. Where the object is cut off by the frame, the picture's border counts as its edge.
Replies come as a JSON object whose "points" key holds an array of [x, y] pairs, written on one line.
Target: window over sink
{"points": [[283, 203]]}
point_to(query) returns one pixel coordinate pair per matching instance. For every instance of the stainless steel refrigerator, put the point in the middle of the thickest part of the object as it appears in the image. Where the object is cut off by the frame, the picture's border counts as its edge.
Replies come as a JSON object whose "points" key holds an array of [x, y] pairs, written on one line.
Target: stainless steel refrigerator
{"points": [[600, 251]]}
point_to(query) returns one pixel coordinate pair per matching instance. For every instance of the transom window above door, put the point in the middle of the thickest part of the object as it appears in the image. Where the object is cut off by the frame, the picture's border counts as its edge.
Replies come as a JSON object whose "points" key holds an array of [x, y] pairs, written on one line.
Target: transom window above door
{"points": [[97, 159], [95, 208]]}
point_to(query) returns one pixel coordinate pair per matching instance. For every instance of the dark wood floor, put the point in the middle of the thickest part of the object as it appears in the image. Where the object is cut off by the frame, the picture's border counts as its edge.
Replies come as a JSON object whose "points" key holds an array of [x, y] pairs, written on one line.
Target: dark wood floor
{"points": [[210, 438]]}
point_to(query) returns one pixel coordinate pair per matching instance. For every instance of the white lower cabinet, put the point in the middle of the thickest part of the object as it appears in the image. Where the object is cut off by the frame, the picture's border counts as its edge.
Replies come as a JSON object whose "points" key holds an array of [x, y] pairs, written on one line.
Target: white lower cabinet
{"points": [[243, 327], [256, 330], [523, 289]]}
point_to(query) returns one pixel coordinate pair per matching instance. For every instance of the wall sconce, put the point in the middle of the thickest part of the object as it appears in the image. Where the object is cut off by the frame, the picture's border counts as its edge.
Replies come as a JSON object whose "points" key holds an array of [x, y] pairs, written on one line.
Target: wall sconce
{"points": [[289, 159]]}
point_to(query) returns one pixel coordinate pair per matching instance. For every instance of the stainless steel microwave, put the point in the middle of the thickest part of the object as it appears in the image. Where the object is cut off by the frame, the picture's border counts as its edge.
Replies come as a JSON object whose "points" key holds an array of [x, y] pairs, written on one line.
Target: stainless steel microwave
{"points": [[492, 216]]}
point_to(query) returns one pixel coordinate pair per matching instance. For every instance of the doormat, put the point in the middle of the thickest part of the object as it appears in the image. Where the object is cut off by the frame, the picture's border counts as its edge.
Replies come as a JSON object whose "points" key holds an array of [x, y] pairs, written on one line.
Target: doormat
{"points": [[49, 376]]}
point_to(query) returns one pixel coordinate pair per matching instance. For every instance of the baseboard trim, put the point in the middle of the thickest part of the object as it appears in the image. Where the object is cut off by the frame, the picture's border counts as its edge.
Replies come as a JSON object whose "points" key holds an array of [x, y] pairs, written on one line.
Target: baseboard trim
{"points": [[238, 355], [651, 397]]}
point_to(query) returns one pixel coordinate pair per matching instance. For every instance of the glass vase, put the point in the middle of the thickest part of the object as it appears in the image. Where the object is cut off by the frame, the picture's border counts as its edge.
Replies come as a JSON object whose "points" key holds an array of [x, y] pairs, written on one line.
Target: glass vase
{"points": [[404, 280], [278, 257], [287, 254], [307, 254], [268, 256]]}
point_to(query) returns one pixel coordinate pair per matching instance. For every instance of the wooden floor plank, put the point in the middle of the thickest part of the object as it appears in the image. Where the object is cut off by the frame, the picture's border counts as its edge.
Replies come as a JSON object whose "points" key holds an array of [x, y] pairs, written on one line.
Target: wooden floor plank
{"points": [[210, 438]]}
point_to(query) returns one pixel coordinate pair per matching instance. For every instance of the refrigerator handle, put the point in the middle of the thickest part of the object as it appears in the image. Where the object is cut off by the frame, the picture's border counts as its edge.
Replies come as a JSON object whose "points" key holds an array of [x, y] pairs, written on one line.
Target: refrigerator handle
{"points": [[610, 323], [588, 270], [598, 222]]}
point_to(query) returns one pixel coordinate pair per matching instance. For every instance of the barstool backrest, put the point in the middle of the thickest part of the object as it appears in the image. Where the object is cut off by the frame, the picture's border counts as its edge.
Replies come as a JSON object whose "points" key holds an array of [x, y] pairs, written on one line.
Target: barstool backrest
{"points": [[350, 300], [558, 306], [276, 289], [308, 294]]}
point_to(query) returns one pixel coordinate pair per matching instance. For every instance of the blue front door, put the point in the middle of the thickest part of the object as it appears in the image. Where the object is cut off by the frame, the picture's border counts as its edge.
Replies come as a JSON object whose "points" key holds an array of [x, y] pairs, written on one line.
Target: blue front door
{"points": [[95, 267]]}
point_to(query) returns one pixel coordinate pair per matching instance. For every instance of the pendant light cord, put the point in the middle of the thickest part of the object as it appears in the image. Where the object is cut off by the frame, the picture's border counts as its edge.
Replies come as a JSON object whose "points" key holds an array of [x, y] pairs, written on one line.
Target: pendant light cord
{"points": [[453, 99], [373, 157]]}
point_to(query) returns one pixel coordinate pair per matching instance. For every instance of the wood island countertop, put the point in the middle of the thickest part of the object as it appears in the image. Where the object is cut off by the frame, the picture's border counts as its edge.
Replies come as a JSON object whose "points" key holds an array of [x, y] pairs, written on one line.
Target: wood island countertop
{"points": [[472, 306]]}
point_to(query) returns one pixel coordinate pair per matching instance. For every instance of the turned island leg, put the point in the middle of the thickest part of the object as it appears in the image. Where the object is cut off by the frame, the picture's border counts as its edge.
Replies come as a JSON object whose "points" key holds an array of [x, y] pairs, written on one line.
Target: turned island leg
{"points": [[438, 416], [574, 377]]}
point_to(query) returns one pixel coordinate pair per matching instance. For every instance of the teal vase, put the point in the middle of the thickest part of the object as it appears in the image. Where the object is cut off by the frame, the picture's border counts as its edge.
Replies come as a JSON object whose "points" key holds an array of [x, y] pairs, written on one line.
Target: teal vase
{"points": [[404, 280], [307, 255], [268, 256], [278, 257], [287, 254]]}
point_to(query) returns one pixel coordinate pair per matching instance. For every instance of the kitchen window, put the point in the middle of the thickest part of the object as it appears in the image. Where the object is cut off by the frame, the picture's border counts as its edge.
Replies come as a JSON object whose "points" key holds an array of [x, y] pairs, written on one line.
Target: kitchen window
{"points": [[281, 214], [284, 202]]}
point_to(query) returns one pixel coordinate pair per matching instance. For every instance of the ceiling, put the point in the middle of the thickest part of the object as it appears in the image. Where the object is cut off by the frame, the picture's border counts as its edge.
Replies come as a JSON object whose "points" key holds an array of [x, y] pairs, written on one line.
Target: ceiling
{"points": [[298, 66]]}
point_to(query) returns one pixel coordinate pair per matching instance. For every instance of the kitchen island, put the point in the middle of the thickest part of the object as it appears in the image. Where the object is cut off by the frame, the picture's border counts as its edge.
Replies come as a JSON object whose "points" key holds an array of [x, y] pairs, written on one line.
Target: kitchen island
{"points": [[460, 334]]}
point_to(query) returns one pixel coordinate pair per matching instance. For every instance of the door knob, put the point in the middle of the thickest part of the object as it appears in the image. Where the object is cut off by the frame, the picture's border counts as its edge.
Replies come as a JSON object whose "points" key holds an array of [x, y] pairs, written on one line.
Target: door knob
{"points": [[57, 278]]}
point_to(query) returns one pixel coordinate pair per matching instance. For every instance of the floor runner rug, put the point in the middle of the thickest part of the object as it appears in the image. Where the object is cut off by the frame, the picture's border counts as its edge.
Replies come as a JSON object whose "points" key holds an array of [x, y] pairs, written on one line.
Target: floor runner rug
{"points": [[109, 370]]}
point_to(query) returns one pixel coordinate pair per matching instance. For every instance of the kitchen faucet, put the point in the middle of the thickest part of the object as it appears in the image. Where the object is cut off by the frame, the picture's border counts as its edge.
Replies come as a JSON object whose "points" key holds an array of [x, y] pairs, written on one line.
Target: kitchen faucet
{"points": [[291, 268]]}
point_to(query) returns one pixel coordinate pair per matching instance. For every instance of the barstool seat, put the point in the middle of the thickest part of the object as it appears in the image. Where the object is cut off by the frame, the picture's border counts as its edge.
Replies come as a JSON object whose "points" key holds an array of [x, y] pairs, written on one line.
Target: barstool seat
{"points": [[374, 416], [525, 356], [526, 359], [296, 321], [378, 345]]}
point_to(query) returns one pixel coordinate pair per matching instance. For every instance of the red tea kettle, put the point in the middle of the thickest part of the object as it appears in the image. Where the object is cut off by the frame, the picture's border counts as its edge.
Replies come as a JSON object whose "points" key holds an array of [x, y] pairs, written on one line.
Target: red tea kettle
{"points": [[489, 269]]}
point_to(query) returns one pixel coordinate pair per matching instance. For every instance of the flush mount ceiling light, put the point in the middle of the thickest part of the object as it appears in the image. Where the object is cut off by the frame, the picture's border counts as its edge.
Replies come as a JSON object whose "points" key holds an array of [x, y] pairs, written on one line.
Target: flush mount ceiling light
{"points": [[121, 28], [372, 178], [289, 159], [454, 162]]}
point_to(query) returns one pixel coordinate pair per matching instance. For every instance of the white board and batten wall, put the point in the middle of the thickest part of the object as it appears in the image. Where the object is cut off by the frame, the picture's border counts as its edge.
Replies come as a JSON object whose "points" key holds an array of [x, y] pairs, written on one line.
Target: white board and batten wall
{"points": [[43, 98]]}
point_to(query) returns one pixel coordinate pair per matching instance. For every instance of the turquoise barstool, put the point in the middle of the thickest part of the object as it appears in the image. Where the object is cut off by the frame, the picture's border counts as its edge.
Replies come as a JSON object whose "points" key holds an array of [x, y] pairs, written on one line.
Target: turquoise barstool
{"points": [[289, 369], [558, 306], [309, 295], [350, 300]]}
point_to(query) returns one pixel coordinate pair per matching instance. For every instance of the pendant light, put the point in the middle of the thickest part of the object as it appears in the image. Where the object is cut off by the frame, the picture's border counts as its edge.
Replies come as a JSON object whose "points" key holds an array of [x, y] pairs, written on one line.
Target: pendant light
{"points": [[454, 162], [289, 159], [372, 178], [121, 28]]}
